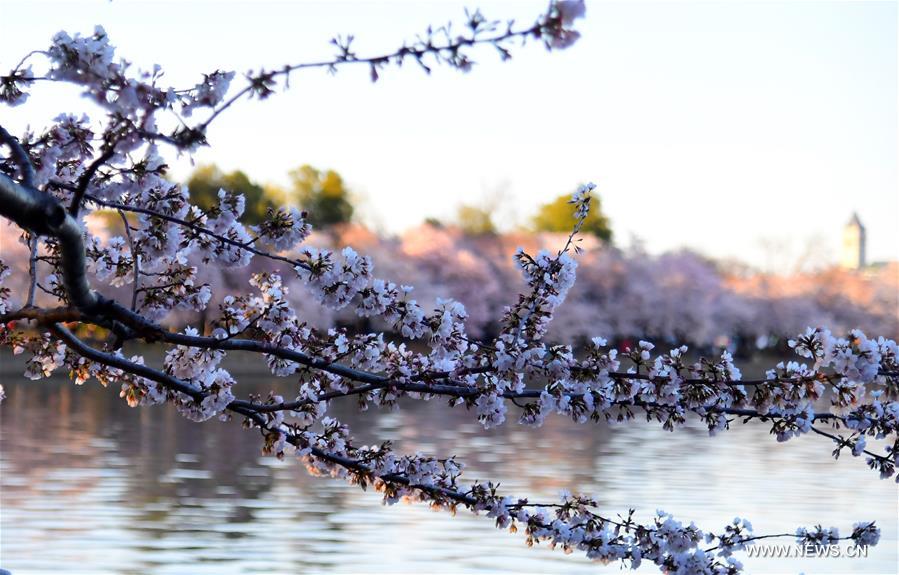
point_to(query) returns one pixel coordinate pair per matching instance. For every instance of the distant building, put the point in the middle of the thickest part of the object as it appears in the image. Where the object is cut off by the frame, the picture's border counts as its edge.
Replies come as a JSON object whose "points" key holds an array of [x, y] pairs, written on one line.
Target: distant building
{"points": [[853, 256]]}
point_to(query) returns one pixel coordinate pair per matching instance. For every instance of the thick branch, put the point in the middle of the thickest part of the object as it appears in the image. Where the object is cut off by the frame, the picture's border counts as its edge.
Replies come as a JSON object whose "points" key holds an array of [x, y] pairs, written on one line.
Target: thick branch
{"points": [[43, 214], [141, 327], [360, 469], [119, 362], [374, 381], [43, 315], [20, 156]]}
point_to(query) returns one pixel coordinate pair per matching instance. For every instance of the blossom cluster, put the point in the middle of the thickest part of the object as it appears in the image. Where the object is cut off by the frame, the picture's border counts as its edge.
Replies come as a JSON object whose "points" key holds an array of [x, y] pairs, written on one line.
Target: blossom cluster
{"points": [[119, 166]]}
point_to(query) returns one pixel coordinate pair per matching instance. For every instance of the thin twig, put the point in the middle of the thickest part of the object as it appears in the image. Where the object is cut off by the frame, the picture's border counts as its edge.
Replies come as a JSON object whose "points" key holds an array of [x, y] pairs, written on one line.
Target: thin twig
{"points": [[195, 227], [32, 269], [398, 55], [85, 179], [135, 259]]}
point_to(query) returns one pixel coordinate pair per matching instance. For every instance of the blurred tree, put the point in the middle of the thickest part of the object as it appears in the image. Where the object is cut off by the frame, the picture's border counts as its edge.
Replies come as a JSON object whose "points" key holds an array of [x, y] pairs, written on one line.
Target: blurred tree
{"points": [[323, 195], [205, 182], [475, 221], [557, 216], [278, 194]]}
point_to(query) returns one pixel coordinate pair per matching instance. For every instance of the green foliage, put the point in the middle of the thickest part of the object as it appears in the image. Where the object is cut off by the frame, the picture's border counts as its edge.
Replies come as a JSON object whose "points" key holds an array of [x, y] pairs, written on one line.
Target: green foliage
{"points": [[475, 221], [205, 182], [558, 216], [322, 195]]}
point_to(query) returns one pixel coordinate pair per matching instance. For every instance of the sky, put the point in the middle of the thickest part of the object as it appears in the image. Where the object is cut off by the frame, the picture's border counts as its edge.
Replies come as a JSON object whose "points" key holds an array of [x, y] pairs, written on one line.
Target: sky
{"points": [[743, 130]]}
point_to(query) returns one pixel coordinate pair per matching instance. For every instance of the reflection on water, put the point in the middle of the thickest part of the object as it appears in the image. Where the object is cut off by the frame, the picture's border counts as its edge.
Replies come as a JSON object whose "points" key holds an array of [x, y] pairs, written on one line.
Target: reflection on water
{"points": [[90, 486]]}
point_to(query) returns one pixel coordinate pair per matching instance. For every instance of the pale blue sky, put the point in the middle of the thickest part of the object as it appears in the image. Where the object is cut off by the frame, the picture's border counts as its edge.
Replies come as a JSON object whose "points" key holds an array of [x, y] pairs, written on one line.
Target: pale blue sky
{"points": [[749, 130]]}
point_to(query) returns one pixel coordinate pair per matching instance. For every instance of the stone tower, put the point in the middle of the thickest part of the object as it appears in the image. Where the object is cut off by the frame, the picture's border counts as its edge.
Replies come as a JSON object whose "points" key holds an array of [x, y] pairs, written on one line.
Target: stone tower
{"points": [[853, 256]]}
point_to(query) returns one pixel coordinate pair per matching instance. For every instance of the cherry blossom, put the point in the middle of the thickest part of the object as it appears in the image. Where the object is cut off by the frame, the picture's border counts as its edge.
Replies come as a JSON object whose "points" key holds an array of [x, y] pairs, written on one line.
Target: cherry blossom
{"points": [[51, 182]]}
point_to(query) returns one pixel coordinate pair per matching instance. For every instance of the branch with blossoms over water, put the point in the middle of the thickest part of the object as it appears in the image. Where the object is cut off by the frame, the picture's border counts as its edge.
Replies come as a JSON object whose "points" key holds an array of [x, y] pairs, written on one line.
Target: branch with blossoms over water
{"points": [[49, 183]]}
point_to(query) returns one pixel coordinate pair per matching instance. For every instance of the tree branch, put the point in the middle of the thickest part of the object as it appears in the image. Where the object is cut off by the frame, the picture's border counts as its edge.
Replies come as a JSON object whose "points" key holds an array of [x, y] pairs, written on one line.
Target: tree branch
{"points": [[135, 258], [197, 228], [43, 214], [20, 156], [473, 499], [85, 179], [32, 269]]}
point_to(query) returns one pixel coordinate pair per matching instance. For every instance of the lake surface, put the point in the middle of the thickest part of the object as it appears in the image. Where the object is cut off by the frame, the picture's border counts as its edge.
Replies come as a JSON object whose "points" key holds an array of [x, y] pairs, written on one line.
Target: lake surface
{"points": [[91, 486]]}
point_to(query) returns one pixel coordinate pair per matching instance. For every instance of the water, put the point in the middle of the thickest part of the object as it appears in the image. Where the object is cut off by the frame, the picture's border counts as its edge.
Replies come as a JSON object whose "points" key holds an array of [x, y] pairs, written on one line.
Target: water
{"points": [[90, 486]]}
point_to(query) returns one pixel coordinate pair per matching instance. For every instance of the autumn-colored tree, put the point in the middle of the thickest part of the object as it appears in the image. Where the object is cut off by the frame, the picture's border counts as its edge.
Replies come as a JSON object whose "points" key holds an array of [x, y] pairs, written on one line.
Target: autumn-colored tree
{"points": [[323, 195], [475, 221], [556, 216]]}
